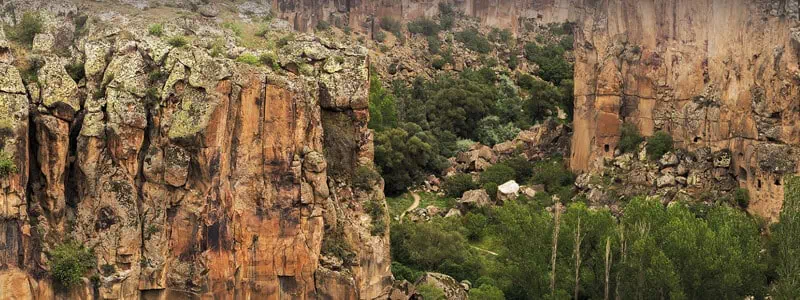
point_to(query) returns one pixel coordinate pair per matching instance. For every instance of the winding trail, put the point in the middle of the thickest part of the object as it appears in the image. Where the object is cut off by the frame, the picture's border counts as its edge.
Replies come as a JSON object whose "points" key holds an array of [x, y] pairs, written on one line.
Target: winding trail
{"points": [[412, 207], [485, 251]]}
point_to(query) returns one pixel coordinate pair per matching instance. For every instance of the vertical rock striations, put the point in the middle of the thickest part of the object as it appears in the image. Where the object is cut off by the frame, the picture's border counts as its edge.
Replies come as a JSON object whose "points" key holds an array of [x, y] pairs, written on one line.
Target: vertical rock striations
{"points": [[187, 174], [712, 73]]}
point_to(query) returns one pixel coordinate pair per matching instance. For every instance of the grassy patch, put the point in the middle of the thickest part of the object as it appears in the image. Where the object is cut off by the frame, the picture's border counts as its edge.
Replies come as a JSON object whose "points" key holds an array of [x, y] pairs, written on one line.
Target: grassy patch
{"points": [[177, 41], [69, 262], [24, 32], [156, 29]]}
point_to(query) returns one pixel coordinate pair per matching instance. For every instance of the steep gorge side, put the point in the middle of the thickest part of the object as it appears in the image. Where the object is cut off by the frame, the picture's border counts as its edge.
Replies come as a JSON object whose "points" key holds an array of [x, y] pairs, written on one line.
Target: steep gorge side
{"points": [[712, 73], [186, 174], [360, 14]]}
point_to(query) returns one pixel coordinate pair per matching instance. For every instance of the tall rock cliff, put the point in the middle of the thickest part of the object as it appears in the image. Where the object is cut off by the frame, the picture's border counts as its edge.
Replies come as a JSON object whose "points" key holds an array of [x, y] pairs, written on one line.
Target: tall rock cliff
{"points": [[185, 173], [362, 14], [713, 73]]}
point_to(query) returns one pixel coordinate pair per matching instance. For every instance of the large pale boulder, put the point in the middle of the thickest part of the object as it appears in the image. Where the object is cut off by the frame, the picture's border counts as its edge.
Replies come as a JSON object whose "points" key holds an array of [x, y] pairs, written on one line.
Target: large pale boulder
{"points": [[508, 191]]}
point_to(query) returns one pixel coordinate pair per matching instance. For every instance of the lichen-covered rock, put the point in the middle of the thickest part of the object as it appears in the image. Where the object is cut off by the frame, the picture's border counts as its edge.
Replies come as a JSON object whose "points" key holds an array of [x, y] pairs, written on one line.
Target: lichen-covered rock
{"points": [[475, 199], [58, 88], [452, 289]]}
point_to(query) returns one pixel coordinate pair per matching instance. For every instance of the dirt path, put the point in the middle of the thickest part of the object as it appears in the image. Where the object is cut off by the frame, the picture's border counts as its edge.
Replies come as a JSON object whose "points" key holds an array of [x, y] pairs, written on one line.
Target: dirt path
{"points": [[412, 207], [485, 251]]}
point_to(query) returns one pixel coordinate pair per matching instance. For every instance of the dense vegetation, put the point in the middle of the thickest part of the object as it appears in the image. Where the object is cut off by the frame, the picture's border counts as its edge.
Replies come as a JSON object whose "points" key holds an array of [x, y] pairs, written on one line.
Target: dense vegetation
{"points": [[69, 262], [650, 252]]}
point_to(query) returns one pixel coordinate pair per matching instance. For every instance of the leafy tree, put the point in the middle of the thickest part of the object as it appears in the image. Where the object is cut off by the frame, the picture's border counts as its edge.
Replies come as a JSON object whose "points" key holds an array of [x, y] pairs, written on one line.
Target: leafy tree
{"points": [[659, 144], [69, 262], [403, 157], [382, 106], [486, 292], [553, 67], [630, 138], [474, 40], [430, 291], [498, 174], [456, 185], [26, 29], [553, 174], [7, 165], [523, 169], [786, 244], [542, 101], [446, 16], [492, 131], [391, 25], [423, 26]]}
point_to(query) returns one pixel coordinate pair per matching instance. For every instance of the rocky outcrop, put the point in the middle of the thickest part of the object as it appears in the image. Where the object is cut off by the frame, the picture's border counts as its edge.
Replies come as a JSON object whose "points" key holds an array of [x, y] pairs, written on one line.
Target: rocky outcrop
{"points": [[189, 175], [717, 74]]}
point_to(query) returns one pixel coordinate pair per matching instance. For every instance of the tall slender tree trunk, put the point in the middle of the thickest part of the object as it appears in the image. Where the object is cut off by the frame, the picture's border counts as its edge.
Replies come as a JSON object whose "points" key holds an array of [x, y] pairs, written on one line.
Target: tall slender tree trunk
{"points": [[555, 248], [578, 241], [608, 266], [623, 254]]}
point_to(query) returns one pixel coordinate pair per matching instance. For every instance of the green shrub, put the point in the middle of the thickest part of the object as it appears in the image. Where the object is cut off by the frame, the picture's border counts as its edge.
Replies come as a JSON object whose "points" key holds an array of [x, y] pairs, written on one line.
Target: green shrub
{"points": [[285, 40], [491, 189], [423, 26], [456, 185], [464, 145], [402, 272], [177, 41], [567, 42], [24, 32], [446, 16], [376, 211], [553, 174], [434, 45], [7, 165], [553, 67], [334, 244], [380, 36], [156, 29], [500, 36], [365, 178], [269, 59], [391, 25], [630, 138], [248, 59], [69, 262], [323, 25], [486, 292], [742, 197], [438, 63], [31, 73], [659, 144], [76, 71], [523, 169], [107, 269], [498, 173], [235, 27], [80, 22], [474, 40], [430, 292], [476, 225]]}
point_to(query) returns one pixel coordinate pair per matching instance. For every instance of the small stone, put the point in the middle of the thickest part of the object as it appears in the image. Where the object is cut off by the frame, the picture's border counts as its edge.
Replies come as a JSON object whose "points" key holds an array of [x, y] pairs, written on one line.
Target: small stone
{"points": [[666, 180]]}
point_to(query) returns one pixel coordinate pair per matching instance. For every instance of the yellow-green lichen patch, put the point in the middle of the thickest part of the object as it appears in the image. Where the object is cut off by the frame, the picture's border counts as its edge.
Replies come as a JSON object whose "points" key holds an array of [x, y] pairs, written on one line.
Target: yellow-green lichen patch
{"points": [[192, 115]]}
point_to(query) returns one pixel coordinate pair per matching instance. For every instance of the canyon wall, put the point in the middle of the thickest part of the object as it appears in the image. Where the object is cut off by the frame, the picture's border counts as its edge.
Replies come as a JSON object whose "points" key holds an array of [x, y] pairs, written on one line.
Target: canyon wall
{"points": [[187, 174], [721, 74], [360, 14]]}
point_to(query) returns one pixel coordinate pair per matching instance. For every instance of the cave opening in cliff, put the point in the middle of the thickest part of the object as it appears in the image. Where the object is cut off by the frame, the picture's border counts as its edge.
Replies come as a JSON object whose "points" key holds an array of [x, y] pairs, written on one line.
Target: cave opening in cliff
{"points": [[742, 174], [607, 148], [777, 181]]}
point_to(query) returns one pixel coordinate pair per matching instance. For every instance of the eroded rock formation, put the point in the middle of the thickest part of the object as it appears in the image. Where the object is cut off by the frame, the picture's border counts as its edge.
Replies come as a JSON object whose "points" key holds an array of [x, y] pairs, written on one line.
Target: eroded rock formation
{"points": [[187, 174], [718, 74]]}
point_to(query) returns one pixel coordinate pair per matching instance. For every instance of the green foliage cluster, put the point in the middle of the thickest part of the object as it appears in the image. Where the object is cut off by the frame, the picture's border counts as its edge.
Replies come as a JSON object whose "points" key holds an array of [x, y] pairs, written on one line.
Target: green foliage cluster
{"points": [[430, 291], [423, 26], [380, 36], [785, 248], [553, 67], [556, 178], [659, 144], [377, 213], [69, 262], [447, 16], [456, 185], [249, 59], [323, 25], [156, 29], [76, 71], [544, 97], [629, 139], [474, 40], [497, 174], [500, 36], [365, 178], [177, 41], [434, 45], [235, 27], [334, 244], [7, 165], [24, 31], [492, 131], [391, 25], [653, 252]]}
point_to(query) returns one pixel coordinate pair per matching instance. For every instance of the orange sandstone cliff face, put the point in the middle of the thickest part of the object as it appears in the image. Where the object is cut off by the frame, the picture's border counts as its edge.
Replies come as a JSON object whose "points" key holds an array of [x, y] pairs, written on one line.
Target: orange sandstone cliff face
{"points": [[189, 175], [364, 14], [712, 73]]}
